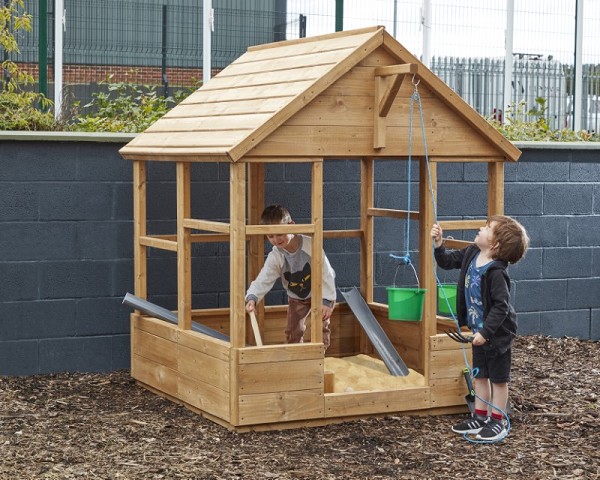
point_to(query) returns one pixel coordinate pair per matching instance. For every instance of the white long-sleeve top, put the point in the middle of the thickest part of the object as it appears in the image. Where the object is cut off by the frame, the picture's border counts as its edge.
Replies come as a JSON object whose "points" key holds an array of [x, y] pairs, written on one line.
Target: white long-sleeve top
{"points": [[294, 270]]}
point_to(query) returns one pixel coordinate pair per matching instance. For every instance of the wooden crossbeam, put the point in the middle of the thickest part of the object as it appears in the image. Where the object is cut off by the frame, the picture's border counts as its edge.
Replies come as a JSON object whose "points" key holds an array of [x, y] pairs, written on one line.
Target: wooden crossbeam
{"points": [[388, 81]]}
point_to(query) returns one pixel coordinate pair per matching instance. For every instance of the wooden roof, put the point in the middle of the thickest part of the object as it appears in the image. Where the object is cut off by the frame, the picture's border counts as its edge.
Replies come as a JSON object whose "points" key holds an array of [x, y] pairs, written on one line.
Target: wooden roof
{"points": [[250, 99]]}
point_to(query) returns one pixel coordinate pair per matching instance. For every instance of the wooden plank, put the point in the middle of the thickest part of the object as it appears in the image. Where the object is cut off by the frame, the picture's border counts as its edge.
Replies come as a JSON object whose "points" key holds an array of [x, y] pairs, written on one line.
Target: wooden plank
{"points": [[446, 364], [267, 78], [209, 346], [209, 123], [367, 227], [184, 248], [242, 67], [278, 159], [157, 327], [155, 375], [444, 342], [189, 108], [207, 225], [396, 70], [183, 140], [452, 243], [280, 353], [203, 396], [462, 224], [495, 189], [389, 96], [160, 243], [358, 141], [280, 406], [280, 229], [280, 377], [390, 213], [316, 293], [168, 154], [140, 273], [363, 403], [427, 203], [204, 368], [156, 349], [379, 121], [250, 92], [318, 43], [237, 264], [356, 233], [256, 330], [256, 244], [448, 391]]}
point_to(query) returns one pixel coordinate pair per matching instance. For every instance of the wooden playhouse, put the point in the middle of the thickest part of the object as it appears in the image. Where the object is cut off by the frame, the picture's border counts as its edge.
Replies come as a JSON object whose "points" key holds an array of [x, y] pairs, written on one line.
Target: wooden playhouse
{"points": [[338, 96]]}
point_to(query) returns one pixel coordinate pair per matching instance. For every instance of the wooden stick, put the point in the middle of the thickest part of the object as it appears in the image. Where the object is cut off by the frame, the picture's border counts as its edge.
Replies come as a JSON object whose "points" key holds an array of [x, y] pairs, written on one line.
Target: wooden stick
{"points": [[255, 330]]}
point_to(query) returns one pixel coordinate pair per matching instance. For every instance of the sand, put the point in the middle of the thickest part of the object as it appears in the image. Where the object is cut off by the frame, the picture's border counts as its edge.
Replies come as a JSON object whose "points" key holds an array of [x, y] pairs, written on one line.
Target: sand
{"points": [[364, 373]]}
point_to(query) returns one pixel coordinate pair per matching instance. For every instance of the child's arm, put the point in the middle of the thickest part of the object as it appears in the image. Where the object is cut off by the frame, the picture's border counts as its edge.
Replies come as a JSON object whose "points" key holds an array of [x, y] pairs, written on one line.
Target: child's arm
{"points": [[447, 260], [265, 280], [500, 307], [329, 293]]}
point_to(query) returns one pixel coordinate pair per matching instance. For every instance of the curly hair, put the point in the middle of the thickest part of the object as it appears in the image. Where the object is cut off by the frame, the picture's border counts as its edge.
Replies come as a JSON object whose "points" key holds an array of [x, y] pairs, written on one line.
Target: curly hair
{"points": [[510, 237]]}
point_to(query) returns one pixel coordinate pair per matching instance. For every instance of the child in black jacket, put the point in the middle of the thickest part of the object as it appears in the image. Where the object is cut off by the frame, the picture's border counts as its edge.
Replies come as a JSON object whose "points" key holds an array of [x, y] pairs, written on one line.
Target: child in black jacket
{"points": [[483, 304]]}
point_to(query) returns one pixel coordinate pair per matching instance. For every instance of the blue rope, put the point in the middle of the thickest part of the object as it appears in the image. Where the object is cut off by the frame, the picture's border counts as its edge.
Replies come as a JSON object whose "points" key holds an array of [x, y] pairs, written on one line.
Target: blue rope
{"points": [[472, 372]]}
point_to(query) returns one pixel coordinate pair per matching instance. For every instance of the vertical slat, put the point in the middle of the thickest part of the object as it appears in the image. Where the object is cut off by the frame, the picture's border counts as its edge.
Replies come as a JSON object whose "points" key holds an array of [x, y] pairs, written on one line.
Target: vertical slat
{"points": [[367, 167], [427, 200], [139, 229], [495, 188], [316, 294], [366, 226], [379, 123], [256, 246], [237, 266], [184, 248]]}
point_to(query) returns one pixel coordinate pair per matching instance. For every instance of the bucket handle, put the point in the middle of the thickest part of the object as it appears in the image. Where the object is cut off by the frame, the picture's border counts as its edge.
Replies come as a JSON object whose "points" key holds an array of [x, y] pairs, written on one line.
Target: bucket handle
{"points": [[413, 269]]}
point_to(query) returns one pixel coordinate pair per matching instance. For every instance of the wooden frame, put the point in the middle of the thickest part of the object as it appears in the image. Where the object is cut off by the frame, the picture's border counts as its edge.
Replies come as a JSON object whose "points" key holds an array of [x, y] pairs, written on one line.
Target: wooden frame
{"points": [[344, 93]]}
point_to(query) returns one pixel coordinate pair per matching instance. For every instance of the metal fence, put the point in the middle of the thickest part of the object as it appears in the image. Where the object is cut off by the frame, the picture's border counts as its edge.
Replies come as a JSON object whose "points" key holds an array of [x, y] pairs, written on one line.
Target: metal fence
{"points": [[160, 42]]}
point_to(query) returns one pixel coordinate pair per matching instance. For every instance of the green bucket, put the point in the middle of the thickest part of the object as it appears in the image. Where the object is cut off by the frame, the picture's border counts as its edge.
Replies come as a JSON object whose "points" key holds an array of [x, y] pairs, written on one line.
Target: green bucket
{"points": [[405, 303], [449, 290]]}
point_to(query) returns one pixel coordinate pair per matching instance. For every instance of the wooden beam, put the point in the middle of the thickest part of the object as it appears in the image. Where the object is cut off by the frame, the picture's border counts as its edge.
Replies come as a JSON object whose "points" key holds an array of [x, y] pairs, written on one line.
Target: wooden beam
{"points": [[389, 96], [388, 212], [139, 229], [462, 224], [495, 189], [237, 262], [379, 122], [366, 226], [403, 69], [427, 200], [280, 229], [184, 248], [316, 294], [160, 243], [343, 233], [256, 244], [458, 244], [206, 225]]}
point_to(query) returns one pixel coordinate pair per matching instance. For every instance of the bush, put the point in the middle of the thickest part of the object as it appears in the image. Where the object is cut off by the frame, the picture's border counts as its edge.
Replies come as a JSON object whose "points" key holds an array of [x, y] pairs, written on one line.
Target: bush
{"points": [[19, 111], [125, 108], [518, 127]]}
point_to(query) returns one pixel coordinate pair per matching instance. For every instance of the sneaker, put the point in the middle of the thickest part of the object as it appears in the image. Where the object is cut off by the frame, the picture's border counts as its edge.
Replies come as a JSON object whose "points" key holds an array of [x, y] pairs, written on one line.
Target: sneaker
{"points": [[472, 424], [492, 430]]}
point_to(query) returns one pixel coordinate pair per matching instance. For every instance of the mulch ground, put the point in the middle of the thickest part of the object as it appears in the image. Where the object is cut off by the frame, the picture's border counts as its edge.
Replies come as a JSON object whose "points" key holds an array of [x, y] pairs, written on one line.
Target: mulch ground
{"points": [[105, 426]]}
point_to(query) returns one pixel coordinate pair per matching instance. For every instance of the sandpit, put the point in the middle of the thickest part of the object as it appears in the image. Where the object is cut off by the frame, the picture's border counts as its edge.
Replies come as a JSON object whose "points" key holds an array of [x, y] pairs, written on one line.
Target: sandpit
{"points": [[364, 373]]}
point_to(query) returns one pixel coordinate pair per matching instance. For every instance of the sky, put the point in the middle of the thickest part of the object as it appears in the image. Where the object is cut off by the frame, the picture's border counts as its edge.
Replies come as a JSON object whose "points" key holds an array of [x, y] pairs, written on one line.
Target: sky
{"points": [[467, 28]]}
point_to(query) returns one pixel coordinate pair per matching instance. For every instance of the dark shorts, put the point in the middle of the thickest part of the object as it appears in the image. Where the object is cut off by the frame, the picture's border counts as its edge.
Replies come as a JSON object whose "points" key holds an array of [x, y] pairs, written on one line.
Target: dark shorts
{"points": [[491, 364]]}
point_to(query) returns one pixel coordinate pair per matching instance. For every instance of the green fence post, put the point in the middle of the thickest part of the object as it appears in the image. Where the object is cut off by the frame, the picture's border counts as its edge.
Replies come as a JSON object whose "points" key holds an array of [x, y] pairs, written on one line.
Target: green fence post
{"points": [[43, 47], [339, 15]]}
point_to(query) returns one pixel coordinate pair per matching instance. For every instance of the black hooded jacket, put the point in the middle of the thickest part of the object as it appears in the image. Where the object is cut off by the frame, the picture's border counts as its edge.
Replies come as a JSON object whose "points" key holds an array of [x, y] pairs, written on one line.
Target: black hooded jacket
{"points": [[499, 317]]}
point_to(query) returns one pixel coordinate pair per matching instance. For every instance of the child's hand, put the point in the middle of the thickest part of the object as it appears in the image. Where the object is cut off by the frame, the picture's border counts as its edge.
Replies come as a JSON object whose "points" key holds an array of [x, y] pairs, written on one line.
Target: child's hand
{"points": [[327, 311], [436, 233], [250, 306], [479, 339]]}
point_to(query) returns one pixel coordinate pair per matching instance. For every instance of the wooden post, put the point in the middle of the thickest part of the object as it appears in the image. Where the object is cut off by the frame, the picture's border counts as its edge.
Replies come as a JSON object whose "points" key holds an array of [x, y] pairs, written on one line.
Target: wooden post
{"points": [[495, 188], [184, 248], [426, 261], [139, 229], [256, 244], [316, 313], [237, 266], [367, 167]]}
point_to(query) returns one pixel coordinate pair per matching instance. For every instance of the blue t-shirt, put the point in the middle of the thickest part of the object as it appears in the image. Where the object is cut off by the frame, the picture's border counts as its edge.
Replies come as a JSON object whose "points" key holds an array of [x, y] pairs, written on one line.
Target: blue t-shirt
{"points": [[473, 297]]}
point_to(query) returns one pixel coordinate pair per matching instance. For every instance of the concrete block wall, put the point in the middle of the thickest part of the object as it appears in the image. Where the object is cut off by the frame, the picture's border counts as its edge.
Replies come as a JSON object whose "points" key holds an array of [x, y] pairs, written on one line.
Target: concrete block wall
{"points": [[66, 240]]}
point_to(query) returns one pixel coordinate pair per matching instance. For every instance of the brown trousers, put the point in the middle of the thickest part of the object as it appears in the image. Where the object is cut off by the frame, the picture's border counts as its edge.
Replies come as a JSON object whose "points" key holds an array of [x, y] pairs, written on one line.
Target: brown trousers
{"points": [[298, 311]]}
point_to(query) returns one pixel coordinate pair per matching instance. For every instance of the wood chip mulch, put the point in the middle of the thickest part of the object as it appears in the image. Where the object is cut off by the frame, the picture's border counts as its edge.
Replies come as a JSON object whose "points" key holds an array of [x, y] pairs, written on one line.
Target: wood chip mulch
{"points": [[88, 426]]}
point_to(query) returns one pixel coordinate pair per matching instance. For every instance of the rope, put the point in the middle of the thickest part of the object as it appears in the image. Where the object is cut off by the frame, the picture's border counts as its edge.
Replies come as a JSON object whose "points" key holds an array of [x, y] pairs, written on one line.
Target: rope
{"points": [[472, 372]]}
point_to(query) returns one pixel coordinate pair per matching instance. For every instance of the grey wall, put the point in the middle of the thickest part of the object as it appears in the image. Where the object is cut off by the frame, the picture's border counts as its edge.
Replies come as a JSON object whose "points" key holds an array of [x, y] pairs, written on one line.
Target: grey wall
{"points": [[66, 241]]}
